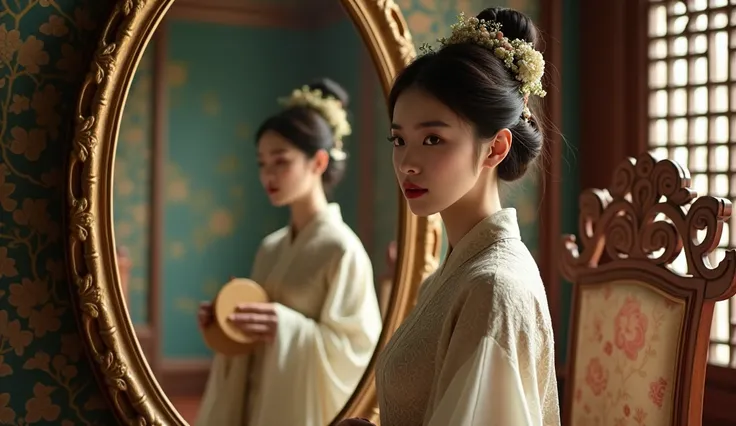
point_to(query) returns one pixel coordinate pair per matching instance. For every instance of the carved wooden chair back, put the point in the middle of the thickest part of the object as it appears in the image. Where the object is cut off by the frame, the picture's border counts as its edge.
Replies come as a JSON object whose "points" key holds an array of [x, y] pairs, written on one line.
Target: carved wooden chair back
{"points": [[645, 285]]}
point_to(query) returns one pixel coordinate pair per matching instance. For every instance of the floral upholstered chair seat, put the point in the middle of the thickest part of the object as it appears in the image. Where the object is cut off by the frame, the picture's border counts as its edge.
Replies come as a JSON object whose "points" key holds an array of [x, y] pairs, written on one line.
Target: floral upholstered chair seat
{"points": [[626, 358]]}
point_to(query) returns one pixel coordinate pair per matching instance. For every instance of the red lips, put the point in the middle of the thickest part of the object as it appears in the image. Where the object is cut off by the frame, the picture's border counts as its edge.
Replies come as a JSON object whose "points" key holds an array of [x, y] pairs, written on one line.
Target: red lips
{"points": [[413, 191]]}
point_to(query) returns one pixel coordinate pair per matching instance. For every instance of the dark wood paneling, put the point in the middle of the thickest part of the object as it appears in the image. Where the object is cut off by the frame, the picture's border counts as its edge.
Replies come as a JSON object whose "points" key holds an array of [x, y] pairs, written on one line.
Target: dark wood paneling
{"points": [[612, 87], [313, 14], [550, 214]]}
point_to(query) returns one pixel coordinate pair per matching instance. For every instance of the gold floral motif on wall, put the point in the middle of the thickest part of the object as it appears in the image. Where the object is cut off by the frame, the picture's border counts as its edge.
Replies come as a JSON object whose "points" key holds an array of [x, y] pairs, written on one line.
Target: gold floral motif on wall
{"points": [[214, 222], [175, 77], [44, 376]]}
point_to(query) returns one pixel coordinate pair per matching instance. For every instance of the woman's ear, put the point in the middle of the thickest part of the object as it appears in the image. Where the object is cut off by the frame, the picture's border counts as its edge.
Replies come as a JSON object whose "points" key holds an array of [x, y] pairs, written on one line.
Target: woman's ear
{"points": [[498, 149], [320, 161]]}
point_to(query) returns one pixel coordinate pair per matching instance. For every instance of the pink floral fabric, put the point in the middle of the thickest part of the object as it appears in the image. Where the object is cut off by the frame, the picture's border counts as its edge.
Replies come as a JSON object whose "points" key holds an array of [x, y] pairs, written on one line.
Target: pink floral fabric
{"points": [[628, 337]]}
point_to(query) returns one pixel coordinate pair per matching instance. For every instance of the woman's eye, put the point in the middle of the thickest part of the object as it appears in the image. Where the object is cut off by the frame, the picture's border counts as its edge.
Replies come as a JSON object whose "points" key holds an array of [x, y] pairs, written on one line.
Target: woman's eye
{"points": [[432, 140], [396, 141]]}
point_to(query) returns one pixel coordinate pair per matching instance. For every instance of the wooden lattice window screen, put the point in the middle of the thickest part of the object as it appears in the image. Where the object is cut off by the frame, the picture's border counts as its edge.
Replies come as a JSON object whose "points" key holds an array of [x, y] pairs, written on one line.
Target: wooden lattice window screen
{"points": [[692, 116]]}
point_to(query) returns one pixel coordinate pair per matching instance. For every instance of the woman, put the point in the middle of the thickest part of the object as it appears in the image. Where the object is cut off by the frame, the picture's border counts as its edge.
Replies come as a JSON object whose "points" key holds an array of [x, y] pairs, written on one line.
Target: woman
{"points": [[321, 327], [478, 348]]}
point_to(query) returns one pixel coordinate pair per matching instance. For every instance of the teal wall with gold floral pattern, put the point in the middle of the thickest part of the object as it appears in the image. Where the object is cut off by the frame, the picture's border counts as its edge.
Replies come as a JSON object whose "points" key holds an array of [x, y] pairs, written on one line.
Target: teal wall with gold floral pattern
{"points": [[45, 377], [45, 47]]}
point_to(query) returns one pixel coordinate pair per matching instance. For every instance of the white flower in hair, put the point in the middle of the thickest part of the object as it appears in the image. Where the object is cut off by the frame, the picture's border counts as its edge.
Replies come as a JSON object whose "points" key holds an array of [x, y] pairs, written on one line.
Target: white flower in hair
{"points": [[518, 56], [330, 109]]}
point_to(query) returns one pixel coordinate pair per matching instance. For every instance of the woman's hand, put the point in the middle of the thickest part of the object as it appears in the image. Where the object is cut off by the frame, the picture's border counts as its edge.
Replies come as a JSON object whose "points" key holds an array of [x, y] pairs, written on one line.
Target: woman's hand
{"points": [[258, 320], [205, 315], [355, 422]]}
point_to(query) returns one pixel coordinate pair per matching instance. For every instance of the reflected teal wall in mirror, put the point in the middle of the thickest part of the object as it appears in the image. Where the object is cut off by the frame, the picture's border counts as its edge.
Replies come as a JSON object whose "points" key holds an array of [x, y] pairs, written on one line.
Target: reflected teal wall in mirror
{"points": [[132, 186], [216, 212]]}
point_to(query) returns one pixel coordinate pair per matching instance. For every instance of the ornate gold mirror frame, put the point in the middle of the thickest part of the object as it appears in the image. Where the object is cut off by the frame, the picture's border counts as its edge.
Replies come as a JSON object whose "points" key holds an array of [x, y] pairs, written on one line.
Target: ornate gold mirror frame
{"points": [[136, 395]]}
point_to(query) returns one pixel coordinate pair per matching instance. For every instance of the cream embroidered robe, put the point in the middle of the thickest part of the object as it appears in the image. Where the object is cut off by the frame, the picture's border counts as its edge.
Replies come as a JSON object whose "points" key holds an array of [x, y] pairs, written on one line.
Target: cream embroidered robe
{"points": [[328, 326], [477, 350]]}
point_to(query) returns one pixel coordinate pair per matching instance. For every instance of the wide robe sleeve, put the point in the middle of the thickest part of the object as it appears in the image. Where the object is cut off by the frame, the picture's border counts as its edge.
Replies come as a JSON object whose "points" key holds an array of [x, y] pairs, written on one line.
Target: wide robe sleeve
{"points": [[223, 401], [321, 361], [491, 373]]}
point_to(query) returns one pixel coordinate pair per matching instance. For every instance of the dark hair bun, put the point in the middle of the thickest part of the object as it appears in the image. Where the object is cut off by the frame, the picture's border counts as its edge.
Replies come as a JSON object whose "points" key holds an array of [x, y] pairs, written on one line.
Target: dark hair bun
{"points": [[526, 147], [527, 137], [514, 24], [331, 88]]}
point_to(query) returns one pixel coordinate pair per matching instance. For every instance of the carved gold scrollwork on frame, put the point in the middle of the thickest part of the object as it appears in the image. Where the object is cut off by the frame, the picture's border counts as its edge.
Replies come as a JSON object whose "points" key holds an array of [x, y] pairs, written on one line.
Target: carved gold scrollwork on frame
{"points": [[109, 333], [652, 215]]}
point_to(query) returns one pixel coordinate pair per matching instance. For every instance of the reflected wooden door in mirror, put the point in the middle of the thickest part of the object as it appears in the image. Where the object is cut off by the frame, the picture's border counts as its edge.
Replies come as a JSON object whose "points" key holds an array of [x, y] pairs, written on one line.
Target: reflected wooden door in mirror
{"points": [[216, 177]]}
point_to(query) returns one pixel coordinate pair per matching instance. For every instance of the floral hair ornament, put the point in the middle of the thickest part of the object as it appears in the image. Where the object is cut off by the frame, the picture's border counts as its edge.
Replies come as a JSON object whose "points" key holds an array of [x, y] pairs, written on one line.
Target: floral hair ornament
{"points": [[518, 56], [330, 109]]}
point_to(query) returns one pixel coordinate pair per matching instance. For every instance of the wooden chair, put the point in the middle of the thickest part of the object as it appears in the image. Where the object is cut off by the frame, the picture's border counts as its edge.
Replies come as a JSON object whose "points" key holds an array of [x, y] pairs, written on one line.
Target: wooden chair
{"points": [[639, 330]]}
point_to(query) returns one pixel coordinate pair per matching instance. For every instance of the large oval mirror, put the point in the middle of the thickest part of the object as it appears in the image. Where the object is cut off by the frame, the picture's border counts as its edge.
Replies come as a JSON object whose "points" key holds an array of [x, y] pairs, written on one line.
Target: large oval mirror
{"points": [[232, 178]]}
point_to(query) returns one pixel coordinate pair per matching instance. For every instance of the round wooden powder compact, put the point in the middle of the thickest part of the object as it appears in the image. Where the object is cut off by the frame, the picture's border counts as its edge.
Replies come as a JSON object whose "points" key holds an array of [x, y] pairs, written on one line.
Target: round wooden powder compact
{"points": [[221, 335]]}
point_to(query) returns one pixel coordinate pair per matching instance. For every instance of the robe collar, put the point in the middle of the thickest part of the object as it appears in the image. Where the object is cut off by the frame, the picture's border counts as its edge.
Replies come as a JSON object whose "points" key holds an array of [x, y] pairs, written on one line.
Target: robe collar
{"points": [[289, 248], [331, 213], [499, 226]]}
